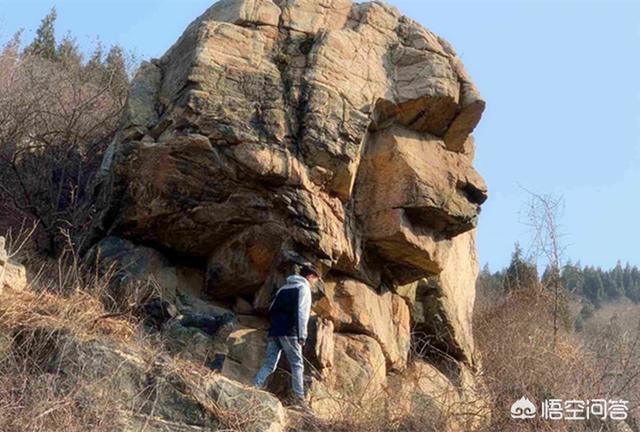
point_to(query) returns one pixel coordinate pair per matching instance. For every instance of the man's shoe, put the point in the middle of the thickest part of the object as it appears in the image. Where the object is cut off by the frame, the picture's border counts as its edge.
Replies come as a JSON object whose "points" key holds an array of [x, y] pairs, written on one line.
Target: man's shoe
{"points": [[216, 363], [302, 406]]}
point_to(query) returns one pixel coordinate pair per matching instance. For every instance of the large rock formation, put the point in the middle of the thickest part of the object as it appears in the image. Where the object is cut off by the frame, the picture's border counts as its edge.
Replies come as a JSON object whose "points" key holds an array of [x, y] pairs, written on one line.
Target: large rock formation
{"points": [[287, 130]]}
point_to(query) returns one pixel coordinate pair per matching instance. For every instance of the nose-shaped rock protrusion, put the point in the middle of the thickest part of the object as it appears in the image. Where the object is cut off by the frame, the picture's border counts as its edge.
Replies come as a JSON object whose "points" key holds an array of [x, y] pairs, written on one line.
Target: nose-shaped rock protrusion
{"points": [[413, 193]]}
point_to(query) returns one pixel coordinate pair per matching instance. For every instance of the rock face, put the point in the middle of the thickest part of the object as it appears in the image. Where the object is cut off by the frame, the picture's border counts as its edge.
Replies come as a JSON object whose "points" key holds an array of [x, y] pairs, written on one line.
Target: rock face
{"points": [[358, 375], [443, 306], [354, 307], [329, 131]]}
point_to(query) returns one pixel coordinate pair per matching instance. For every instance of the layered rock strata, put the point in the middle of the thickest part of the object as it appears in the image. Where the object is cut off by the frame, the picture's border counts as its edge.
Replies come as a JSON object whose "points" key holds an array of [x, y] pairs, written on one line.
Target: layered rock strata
{"points": [[276, 132]]}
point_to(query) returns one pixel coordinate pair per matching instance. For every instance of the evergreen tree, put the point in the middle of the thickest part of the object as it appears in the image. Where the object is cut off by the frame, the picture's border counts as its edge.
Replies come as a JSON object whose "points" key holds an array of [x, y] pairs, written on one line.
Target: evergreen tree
{"points": [[549, 277], [95, 66], [44, 44], [572, 278], [68, 51], [490, 281], [633, 292], [521, 273], [593, 286], [627, 280], [116, 69], [609, 282], [617, 277]]}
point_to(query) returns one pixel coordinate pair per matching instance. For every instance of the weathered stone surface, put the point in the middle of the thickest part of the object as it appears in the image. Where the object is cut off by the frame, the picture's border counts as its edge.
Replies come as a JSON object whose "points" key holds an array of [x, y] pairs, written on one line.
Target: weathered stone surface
{"points": [[242, 307], [275, 132], [12, 274], [242, 265], [321, 346], [408, 293], [259, 12], [157, 391], [145, 268], [189, 342], [247, 347], [357, 375], [311, 16], [259, 410], [355, 308], [140, 274], [143, 95], [444, 305], [435, 195], [259, 139]]}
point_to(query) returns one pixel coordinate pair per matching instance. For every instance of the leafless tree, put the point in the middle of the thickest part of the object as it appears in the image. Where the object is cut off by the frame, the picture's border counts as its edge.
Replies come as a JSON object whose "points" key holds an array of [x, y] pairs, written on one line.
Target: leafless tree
{"points": [[543, 216], [56, 118]]}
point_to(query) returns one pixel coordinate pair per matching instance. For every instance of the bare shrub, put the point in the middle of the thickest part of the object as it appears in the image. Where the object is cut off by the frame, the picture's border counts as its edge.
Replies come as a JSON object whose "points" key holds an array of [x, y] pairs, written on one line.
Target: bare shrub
{"points": [[65, 358], [57, 115], [33, 329], [36, 325], [520, 358]]}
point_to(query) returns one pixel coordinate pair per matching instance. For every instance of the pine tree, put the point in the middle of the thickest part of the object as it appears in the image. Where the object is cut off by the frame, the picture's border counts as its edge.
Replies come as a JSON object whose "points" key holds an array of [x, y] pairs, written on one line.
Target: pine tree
{"points": [[634, 285], [95, 66], [116, 69], [617, 276], [491, 281], [68, 51], [44, 44], [593, 286], [609, 282], [627, 278], [521, 273], [573, 278]]}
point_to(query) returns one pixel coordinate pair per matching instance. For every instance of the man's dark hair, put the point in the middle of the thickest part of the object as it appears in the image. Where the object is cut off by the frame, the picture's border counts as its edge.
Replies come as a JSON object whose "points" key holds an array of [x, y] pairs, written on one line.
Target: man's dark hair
{"points": [[309, 269]]}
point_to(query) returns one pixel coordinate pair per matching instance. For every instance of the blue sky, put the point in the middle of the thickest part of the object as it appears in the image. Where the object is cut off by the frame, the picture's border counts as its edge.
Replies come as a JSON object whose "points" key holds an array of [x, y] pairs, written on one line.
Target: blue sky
{"points": [[562, 82]]}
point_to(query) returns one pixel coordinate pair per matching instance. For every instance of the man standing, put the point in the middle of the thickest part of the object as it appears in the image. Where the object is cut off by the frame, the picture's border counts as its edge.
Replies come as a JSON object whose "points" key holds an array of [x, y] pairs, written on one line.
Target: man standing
{"points": [[290, 311]]}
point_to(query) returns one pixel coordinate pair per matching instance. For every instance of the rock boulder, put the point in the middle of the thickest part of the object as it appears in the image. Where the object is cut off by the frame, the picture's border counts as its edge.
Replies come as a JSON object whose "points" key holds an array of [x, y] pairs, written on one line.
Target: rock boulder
{"points": [[280, 131]]}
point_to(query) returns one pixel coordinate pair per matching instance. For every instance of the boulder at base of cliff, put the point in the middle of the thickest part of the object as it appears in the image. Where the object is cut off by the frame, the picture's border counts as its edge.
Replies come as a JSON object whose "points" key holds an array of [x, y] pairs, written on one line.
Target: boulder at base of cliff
{"points": [[155, 392], [356, 308], [356, 378], [247, 348]]}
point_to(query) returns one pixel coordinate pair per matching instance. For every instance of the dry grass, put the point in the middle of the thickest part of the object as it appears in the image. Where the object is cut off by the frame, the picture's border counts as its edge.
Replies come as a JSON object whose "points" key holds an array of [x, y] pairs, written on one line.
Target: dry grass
{"points": [[420, 399], [79, 314], [61, 304], [53, 379], [521, 358]]}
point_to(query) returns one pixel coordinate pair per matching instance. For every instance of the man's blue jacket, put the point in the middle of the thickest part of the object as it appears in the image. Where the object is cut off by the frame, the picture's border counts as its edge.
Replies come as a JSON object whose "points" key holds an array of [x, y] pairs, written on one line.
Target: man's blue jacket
{"points": [[290, 309]]}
